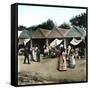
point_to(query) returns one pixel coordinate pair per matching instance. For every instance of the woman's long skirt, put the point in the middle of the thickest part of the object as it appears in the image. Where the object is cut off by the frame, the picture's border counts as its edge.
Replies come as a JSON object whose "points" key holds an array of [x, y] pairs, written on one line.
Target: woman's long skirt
{"points": [[62, 65]]}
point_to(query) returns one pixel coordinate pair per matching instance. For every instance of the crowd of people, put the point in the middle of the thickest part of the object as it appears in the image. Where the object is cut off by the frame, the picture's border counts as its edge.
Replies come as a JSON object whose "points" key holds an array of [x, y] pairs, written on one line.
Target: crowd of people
{"points": [[66, 57], [34, 52]]}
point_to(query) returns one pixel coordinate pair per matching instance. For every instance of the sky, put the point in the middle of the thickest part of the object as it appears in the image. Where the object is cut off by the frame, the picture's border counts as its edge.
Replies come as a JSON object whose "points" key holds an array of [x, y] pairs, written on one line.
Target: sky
{"points": [[34, 15]]}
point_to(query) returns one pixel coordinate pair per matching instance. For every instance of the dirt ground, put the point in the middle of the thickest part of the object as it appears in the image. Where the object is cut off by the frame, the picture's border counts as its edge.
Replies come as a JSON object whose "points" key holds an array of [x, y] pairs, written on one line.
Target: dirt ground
{"points": [[46, 71]]}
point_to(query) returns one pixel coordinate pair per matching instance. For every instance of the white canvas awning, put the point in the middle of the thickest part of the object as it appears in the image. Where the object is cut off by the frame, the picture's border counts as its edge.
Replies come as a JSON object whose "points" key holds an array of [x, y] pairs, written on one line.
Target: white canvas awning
{"points": [[26, 40], [21, 41], [75, 41], [55, 42], [19, 32]]}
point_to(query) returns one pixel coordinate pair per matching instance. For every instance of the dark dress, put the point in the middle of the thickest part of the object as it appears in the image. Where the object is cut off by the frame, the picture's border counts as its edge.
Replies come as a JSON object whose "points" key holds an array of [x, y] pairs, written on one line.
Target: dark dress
{"points": [[62, 66], [38, 55]]}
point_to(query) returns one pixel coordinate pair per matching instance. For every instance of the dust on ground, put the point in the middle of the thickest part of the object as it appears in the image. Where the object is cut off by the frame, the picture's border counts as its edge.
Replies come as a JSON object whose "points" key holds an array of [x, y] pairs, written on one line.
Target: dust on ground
{"points": [[46, 71]]}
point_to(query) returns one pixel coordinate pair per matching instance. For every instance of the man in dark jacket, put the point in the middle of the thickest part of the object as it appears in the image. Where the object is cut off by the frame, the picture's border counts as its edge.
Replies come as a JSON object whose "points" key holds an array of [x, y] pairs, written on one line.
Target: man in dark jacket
{"points": [[26, 54]]}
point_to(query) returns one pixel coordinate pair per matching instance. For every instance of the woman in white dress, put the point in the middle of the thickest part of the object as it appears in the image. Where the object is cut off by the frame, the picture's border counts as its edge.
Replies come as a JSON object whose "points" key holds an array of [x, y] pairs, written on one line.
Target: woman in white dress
{"points": [[34, 54], [72, 59]]}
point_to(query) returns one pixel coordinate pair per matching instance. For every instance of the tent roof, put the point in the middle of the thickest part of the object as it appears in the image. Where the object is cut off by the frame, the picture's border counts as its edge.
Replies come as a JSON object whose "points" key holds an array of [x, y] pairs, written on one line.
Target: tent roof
{"points": [[41, 33], [76, 32], [37, 34], [45, 32], [24, 34], [81, 30], [55, 33], [63, 31]]}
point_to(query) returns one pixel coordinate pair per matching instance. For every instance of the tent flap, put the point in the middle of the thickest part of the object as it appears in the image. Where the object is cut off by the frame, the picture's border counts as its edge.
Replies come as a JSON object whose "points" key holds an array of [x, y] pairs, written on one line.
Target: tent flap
{"points": [[75, 41], [19, 32], [55, 42]]}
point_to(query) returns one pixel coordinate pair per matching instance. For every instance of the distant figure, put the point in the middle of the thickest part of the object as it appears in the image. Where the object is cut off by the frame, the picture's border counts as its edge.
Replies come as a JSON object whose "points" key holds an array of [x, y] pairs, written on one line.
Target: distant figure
{"points": [[72, 59], [69, 49], [34, 54], [68, 54], [44, 47], [26, 54], [77, 53], [38, 54], [46, 52], [62, 66]]}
